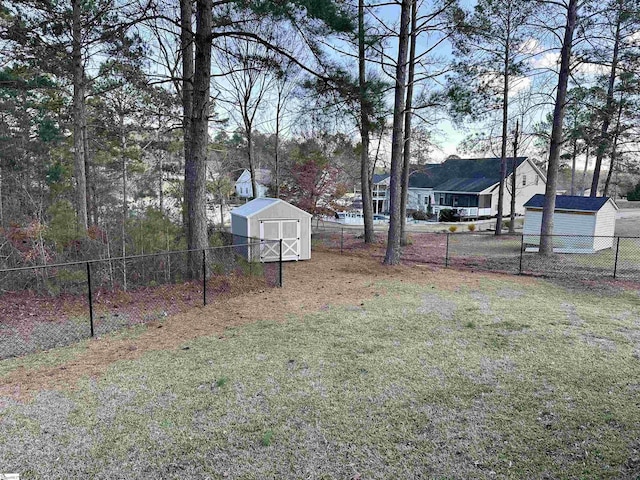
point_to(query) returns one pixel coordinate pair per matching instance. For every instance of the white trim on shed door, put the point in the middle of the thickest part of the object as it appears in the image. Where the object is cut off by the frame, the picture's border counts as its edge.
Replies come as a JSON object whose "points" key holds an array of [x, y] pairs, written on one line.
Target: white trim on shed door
{"points": [[290, 242]]}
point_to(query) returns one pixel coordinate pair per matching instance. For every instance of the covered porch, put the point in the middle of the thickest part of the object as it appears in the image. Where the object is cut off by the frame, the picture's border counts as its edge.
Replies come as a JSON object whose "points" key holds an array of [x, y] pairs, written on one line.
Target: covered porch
{"points": [[468, 205]]}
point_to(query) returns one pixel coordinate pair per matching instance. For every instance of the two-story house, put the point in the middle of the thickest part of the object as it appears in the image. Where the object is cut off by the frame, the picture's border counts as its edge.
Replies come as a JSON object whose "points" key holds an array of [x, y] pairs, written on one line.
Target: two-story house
{"points": [[471, 186]]}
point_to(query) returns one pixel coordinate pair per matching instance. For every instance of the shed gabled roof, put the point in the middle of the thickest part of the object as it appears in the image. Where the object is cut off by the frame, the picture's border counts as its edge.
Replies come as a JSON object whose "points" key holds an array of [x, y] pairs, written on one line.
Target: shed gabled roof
{"points": [[257, 205], [571, 202]]}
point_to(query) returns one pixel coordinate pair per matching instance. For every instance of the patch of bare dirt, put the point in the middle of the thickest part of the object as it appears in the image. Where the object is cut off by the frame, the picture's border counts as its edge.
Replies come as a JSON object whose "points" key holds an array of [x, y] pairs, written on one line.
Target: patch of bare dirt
{"points": [[327, 279]]}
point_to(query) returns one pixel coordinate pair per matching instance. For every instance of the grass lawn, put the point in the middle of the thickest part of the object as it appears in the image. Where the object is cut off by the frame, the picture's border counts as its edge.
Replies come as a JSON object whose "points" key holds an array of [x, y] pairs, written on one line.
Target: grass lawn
{"points": [[496, 378]]}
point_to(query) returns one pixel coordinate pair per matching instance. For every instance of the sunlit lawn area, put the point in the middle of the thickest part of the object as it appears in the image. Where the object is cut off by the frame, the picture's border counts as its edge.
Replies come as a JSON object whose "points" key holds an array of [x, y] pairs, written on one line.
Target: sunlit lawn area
{"points": [[503, 380]]}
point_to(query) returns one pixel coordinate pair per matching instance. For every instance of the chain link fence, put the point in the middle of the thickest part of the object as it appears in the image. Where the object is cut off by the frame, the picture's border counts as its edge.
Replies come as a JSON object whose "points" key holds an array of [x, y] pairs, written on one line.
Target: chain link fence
{"points": [[575, 256], [42, 307]]}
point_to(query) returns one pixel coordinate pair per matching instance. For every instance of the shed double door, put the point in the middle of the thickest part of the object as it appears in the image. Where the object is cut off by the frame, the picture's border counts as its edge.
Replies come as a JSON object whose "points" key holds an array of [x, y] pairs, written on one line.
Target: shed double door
{"points": [[286, 230]]}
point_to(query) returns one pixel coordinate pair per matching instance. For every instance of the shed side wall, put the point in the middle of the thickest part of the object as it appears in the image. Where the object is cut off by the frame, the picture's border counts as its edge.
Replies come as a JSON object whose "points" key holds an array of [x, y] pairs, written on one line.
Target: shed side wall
{"points": [[605, 226], [577, 225], [606, 220]]}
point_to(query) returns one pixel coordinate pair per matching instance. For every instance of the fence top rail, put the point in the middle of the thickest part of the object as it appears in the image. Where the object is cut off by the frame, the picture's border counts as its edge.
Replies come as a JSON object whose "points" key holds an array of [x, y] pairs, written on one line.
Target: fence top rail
{"points": [[486, 233], [131, 257]]}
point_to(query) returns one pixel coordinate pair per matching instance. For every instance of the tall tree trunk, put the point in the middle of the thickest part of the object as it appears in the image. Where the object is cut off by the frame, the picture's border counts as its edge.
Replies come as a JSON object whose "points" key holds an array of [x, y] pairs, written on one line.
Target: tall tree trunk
{"points": [[79, 118], [392, 255], [160, 168], [514, 182], [546, 230], [186, 46], [407, 125], [583, 181], [574, 154], [2, 222], [91, 202], [365, 131], [125, 206], [608, 113], [614, 150], [277, 149], [196, 176], [505, 119], [252, 169]]}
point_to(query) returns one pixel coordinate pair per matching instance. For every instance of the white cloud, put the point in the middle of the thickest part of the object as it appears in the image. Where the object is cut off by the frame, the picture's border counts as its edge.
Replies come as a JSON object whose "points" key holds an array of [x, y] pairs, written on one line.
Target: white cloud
{"points": [[592, 69], [549, 60], [531, 46], [519, 84], [634, 39]]}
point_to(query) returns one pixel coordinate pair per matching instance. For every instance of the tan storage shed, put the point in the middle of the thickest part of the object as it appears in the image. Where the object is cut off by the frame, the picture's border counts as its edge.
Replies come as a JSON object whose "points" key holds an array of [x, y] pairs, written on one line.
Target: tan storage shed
{"points": [[273, 219], [582, 224]]}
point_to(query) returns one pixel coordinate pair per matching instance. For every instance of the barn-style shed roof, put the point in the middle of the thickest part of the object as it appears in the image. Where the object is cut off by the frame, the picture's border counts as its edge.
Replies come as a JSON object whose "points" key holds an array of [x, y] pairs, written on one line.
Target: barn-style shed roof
{"points": [[571, 202], [257, 205]]}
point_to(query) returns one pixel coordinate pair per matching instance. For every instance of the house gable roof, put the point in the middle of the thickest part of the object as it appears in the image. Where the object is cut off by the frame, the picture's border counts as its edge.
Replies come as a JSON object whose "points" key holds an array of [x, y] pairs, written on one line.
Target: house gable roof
{"points": [[569, 202], [257, 205], [263, 176], [461, 175], [380, 177]]}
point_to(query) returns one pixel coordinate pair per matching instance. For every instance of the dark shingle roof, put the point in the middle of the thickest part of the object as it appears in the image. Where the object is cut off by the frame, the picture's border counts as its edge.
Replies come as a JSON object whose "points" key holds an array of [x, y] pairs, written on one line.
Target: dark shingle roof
{"points": [[462, 174], [379, 177], [569, 202], [466, 184]]}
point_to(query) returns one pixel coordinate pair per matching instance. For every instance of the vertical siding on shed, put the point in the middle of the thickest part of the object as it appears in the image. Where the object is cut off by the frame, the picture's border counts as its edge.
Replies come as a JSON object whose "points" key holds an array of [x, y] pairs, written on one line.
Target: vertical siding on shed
{"points": [[570, 224], [285, 211], [239, 229], [606, 220]]}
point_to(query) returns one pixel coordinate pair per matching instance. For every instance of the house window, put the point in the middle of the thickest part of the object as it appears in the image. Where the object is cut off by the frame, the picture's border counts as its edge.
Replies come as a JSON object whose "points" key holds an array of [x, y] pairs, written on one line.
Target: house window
{"points": [[524, 180]]}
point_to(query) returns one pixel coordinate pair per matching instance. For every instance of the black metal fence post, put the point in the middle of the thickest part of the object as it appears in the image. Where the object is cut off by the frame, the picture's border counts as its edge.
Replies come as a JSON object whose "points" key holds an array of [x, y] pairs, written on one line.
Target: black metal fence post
{"points": [[521, 253], [204, 277], [90, 297], [615, 264], [446, 255], [280, 264]]}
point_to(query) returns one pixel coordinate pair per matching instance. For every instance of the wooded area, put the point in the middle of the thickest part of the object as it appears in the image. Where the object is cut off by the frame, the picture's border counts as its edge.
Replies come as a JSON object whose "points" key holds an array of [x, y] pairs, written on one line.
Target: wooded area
{"points": [[124, 123]]}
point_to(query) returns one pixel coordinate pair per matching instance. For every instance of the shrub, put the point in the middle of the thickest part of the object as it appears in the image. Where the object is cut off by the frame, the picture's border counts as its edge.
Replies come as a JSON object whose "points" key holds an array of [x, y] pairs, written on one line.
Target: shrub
{"points": [[634, 195], [506, 224], [448, 215], [418, 215], [453, 228], [63, 228], [471, 227], [154, 232]]}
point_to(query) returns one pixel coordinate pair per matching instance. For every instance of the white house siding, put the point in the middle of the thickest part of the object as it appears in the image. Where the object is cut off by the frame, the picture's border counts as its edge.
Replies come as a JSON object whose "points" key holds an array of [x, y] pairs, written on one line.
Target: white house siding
{"points": [[605, 226], [416, 198], [572, 224], [523, 192], [245, 189]]}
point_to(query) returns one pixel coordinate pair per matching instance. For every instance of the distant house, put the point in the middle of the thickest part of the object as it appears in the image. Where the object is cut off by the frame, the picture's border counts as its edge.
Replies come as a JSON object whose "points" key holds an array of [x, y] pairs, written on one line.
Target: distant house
{"points": [[471, 186], [243, 185], [380, 195], [582, 224]]}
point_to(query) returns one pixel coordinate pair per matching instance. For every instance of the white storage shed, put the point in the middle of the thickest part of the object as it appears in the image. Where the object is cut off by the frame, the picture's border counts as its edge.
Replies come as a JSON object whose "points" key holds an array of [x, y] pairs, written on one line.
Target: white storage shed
{"points": [[583, 224], [272, 219]]}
